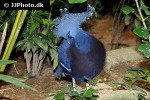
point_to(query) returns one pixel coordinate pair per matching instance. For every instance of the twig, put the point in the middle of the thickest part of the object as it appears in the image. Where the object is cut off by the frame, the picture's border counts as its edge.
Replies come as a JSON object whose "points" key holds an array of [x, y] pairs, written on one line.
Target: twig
{"points": [[33, 66], [143, 20], [28, 57], [116, 22], [5, 89], [3, 37], [146, 18], [40, 66], [139, 10], [16, 69], [35, 63]]}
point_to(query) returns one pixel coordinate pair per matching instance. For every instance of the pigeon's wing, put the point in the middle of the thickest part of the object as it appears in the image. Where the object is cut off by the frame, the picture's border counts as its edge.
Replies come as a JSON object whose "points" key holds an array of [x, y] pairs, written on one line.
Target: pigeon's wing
{"points": [[63, 55]]}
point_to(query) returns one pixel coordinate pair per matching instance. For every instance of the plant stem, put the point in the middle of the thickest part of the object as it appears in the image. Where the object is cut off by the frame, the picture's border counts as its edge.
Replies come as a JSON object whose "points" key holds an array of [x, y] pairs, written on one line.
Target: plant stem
{"points": [[13, 36], [139, 10], [41, 61], [34, 64], [28, 56], [143, 20], [3, 37]]}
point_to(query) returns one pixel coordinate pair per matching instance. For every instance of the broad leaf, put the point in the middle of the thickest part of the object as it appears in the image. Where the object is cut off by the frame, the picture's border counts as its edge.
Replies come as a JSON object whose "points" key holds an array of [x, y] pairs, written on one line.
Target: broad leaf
{"points": [[129, 75], [89, 92], [33, 26], [5, 62], [15, 81], [40, 43], [141, 32], [54, 57], [51, 2], [144, 8], [51, 35], [59, 96], [145, 49], [46, 22], [21, 43], [148, 78], [127, 10], [37, 18], [29, 45]]}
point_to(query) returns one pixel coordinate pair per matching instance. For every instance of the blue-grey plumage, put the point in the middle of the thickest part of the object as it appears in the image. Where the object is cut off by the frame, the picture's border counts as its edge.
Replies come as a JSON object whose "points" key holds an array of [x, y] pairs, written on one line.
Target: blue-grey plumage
{"points": [[70, 22], [81, 56]]}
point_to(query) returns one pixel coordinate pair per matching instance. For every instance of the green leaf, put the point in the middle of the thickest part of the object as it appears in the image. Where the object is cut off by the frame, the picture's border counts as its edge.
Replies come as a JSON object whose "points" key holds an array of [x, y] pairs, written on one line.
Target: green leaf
{"points": [[76, 1], [33, 26], [141, 32], [45, 31], [137, 22], [129, 75], [127, 19], [43, 36], [74, 94], [59, 96], [144, 8], [40, 43], [134, 80], [55, 61], [138, 16], [93, 98], [21, 43], [51, 35], [35, 48], [89, 92], [37, 18], [144, 71], [40, 13], [45, 46], [138, 69], [54, 57], [46, 22], [15, 81], [148, 78], [5, 62], [29, 44], [51, 2], [127, 10], [42, 55], [145, 49]]}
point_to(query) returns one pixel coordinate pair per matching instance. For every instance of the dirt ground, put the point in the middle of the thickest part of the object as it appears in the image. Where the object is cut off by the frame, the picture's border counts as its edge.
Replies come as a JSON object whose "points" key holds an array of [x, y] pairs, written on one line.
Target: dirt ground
{"points": [[47, 85]]}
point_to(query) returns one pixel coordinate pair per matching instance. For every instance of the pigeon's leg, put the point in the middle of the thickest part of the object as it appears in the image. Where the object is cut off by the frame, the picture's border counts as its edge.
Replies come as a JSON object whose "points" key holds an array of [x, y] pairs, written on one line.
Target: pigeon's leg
{"points": [[74, 84], [87, 86]]}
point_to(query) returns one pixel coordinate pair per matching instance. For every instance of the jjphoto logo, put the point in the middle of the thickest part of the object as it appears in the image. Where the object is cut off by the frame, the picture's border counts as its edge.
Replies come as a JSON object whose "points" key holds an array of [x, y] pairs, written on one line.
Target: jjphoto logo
{"points": [[27, 5], [6, 5]]}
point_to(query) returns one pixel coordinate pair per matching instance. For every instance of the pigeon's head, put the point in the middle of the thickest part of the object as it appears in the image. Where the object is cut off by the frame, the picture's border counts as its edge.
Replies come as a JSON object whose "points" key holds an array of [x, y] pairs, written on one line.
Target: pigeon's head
{"points": [[70, 22]]}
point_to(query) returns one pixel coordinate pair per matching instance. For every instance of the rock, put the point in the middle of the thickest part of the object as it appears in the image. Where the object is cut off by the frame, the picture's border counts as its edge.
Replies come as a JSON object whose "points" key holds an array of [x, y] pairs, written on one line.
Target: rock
{"points": [[117, 95], [118, 56]]}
